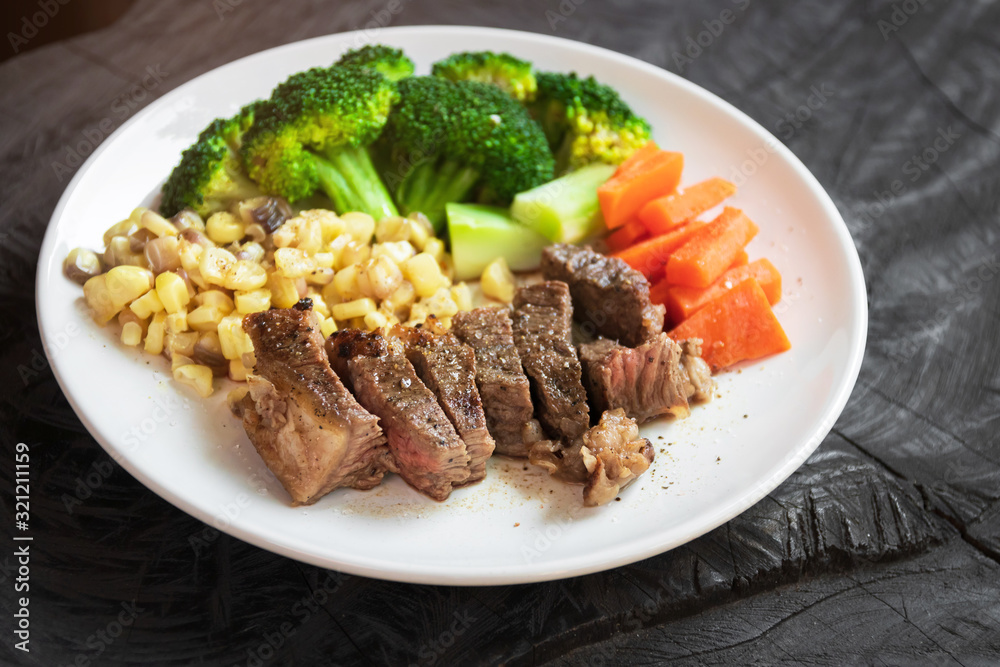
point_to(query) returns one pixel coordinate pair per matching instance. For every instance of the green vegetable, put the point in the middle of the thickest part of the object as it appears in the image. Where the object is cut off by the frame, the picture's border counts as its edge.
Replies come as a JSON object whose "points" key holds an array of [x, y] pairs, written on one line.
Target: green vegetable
{"points": [[210, 175], [391, 62], [565, 210], [448, 141], [479, 234], [586, 121], [314, 132], [512, 75]]}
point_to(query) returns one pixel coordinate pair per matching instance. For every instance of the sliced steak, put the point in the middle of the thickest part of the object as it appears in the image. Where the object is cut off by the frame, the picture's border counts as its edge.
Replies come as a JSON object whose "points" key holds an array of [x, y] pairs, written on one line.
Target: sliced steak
{"points": [[503, 386], [614, 456], [448, 368], [605, 459], [645, 381], [427, 451], [542, 324], [610, 297], [301, 419]]}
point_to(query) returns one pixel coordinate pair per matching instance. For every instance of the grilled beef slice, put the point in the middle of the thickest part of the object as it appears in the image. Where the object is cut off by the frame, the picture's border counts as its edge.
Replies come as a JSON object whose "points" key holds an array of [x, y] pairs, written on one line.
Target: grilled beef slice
{"points": [[542, 333], [427, 451], [448, 368], [301, 419], [503, 386], [646, 381], [610, 297]]}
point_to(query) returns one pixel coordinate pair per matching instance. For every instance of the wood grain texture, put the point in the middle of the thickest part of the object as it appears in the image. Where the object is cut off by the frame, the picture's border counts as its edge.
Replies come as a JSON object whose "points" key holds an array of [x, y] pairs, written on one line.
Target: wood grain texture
{"points": [[883, 548]]}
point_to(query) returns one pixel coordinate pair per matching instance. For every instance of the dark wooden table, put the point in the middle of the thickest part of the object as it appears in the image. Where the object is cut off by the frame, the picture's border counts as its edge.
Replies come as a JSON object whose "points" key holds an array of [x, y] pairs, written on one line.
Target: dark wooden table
{"points": [[883, 548]]}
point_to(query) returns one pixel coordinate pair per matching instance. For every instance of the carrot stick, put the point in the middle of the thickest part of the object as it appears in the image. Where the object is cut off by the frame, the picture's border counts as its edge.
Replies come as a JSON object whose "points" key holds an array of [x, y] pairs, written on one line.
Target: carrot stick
{"points": [[665, 213], [622, 196], [625, 236], [682, 302], [650, 256], [742, 259], [736, 326], [635, 159], [700, 261]]}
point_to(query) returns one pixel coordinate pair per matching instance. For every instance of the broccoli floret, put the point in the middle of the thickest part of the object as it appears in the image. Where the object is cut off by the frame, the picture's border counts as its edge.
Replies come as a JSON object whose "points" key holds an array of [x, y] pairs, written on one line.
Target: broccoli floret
{"points": [[586, 121], [513, 75], [313, 133], [447, 141], [210, 175], [390, 61]]}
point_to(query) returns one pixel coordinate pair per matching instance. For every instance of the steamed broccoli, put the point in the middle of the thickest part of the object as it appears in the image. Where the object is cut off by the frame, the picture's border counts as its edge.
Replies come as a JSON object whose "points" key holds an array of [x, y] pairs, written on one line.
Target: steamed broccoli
{"points": [[586, 121], [449, 140], [391, 62], [513, 75], [210, 175], [313, 133]]}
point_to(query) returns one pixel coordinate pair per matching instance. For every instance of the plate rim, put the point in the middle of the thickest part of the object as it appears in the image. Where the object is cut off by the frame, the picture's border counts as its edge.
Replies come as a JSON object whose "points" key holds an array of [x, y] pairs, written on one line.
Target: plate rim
{"points": [[566, 567]]}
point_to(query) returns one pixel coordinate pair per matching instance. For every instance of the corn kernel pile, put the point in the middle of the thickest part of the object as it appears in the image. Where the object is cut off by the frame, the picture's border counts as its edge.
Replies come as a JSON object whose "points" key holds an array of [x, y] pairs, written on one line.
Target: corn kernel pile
{"points": [[181, 287]]}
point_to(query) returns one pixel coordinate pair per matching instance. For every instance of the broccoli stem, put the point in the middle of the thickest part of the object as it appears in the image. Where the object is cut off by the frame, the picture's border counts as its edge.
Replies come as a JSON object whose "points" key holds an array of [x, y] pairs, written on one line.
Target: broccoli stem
{"points": [[350, 180], [432, 184]]}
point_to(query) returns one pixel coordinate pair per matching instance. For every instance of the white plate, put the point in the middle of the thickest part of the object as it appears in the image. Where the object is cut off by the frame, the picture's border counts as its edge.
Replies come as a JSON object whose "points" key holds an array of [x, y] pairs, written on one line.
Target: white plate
{"points": [[517, 526]]}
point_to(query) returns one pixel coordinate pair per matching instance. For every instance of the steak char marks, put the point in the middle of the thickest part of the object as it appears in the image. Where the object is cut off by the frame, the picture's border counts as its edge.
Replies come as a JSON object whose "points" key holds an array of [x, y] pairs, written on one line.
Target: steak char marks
{"points": [[448, 368], [427, 451], [542, 323], [301, 419], [611, 298], [503, 386]]}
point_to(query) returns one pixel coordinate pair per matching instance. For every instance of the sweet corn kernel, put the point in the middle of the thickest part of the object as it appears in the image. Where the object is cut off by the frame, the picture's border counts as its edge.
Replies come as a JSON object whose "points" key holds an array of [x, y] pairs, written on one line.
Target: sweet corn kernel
{"points": [[235, 397], [95, 292], [346, 283], [293, 262], [355, 253], [177, 322], [155, 333], [216, 298], [324, 259], [131, 334], [327, 327], [320, 276], [441, 304], [182, 343], [214, 265], [435, 248], [360, 226], [245, 275], [397, 251], [425, 274], [330, 224], [147, 304], [230, 328], [498, 281], [375, 320], [172, 292], [392, 228], [379, 277], [253, 301], [284, 293], [355, 308], [157, 224], [127, 283], [237, 371], [319, 305], [197, 377], [205, 318], [224, 227], [462, 296], [308, 233], [190, 256]]}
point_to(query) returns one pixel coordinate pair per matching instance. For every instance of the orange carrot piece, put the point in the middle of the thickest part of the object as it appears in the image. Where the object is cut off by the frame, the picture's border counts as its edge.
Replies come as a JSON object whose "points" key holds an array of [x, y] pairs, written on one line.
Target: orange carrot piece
{"points": [[650, 256], [683, 302], [621, 197], [627, 235], [706, 256], [738, 325], [635, 159], [663, 214], [660, 292], [742, 259]]}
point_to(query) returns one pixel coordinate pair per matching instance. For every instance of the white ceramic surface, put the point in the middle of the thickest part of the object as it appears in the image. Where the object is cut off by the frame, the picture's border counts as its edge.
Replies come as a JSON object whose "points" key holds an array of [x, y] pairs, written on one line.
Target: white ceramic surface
{"points": [[517, 526]]}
